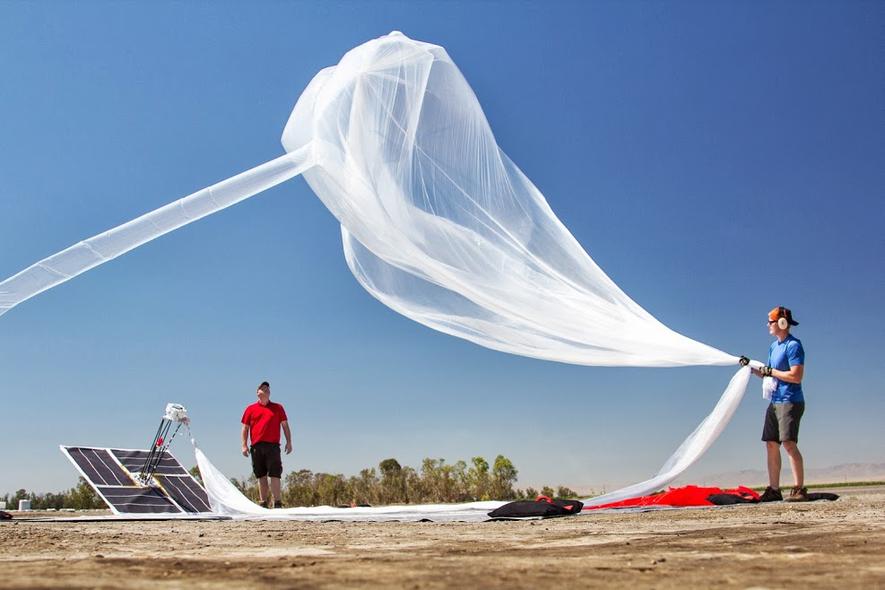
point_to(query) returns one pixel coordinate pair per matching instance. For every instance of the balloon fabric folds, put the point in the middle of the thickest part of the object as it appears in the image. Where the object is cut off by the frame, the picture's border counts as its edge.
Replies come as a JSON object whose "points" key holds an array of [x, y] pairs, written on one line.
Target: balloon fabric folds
{"points": [[441, 226], [436, 222]]}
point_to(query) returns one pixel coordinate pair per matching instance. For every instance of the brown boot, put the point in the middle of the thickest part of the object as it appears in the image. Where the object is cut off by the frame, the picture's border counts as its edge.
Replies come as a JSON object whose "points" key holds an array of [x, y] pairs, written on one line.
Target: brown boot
{"points": [[797, 495]]}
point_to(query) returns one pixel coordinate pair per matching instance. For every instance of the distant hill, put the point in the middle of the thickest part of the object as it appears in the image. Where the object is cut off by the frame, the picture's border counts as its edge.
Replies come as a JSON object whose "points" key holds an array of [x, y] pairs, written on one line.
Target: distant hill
{"points": [[835, 474]]}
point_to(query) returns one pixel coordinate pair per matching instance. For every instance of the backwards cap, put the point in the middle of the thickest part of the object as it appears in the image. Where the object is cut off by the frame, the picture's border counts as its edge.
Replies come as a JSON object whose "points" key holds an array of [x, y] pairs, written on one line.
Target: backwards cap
{"points": [[782, 312]]}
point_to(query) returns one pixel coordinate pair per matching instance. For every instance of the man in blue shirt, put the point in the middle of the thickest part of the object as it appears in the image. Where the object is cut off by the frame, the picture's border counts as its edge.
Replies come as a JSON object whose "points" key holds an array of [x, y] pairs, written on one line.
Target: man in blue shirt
{"points": [[786, 365]]}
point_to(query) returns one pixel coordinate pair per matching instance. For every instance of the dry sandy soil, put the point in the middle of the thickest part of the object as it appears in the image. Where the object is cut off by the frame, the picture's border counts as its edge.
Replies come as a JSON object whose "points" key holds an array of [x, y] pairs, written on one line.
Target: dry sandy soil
{"points": [[816, 545]]}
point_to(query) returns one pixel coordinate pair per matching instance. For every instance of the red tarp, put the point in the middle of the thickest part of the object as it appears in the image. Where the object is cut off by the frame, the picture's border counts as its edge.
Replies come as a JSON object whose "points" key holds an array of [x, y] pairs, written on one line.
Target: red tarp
{"points": [[684, 496]]}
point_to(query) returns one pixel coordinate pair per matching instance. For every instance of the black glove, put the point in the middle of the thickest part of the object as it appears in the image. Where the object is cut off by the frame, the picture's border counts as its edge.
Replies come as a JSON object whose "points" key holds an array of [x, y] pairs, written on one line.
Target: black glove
{"points": [[766, 371], [744, 361]]}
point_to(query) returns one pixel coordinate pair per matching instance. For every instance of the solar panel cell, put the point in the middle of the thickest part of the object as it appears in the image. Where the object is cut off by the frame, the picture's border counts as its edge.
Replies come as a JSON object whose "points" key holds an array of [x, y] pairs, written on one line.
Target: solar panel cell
{"points": [[134, 460], [186, 492], [128, 500], [85, 466], [99, 466]]}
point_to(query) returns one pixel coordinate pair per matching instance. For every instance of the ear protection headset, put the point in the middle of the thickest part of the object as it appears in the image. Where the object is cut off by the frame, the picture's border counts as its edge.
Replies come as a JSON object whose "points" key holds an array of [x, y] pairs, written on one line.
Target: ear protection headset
{"points": [[782, 322]]}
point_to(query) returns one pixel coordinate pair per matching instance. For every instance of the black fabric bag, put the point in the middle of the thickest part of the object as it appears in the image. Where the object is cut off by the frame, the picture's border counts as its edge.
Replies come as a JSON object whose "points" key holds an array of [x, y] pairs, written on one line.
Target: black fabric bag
{"points": [[5, 515], [729, 499], [542, 507], [812, 496]]}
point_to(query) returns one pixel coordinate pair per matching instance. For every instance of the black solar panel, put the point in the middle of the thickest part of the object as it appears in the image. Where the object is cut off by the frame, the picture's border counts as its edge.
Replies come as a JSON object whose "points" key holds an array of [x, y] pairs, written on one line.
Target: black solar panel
{"points": [[186, 492], [99, 467], [132, 500], [112, 473], [133, 461]]}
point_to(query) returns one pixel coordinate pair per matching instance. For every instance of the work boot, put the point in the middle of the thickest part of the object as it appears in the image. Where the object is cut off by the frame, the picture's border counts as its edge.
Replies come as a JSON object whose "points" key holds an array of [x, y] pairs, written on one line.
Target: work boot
{"points": [[771, 495], [263, 504], [278, 504], [798, 495]]}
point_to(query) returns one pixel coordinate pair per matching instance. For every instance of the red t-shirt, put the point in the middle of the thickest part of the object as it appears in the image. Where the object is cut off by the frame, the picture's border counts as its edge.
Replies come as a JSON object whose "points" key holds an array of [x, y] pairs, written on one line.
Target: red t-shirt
{"points": [[264, 422]]}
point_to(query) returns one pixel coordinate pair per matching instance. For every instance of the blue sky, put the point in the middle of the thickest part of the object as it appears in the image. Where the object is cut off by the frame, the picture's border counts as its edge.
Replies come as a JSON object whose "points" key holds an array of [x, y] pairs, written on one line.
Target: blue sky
{"points": [[716, 159]]}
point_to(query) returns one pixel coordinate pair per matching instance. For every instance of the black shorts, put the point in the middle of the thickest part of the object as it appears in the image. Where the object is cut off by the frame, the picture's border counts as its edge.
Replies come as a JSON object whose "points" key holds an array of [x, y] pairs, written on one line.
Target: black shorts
{"points": [[266, 459], [782, 422]]}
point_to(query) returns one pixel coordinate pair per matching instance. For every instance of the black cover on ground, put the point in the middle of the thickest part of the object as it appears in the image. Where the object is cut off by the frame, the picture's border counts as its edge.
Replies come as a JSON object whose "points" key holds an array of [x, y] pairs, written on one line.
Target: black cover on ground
{"points": [[542, 508], [822, 496], [728, 499], [5, 515]]}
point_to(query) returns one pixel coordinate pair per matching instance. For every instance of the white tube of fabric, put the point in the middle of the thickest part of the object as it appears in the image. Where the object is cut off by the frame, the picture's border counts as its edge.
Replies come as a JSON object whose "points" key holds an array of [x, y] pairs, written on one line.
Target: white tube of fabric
{"points": [[97, 250]]}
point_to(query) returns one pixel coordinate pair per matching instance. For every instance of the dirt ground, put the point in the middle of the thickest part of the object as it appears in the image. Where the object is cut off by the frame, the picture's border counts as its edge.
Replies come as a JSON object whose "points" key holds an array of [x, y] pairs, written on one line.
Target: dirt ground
{"points": [[815, 545]]}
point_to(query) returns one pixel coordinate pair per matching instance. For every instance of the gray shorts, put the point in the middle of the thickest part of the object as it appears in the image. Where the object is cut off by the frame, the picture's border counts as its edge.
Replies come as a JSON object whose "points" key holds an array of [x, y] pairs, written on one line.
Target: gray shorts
{"points": [[782, 422]]}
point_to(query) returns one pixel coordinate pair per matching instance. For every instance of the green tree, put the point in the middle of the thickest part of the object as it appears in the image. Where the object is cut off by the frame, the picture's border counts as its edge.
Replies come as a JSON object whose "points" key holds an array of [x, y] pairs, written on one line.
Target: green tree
{"points": [[331, 490], [83, 497], [448, 482], [431, 479], [439, 481], [478, 477], [503, 477], [18, 495], [461, 482], [393, 484], [365, 487], [52, 501], [300, 489], [414, 485], [566, 492]]}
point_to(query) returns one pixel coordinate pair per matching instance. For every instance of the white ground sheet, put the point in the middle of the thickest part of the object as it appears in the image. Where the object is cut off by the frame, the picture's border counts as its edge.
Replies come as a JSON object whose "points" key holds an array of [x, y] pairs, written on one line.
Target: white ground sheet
{"points": [[227, 500]]}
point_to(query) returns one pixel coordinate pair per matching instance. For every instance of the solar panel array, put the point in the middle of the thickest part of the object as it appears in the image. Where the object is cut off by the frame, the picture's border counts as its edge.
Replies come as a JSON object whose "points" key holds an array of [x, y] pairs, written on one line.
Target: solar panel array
{"points": [[111, 472]]}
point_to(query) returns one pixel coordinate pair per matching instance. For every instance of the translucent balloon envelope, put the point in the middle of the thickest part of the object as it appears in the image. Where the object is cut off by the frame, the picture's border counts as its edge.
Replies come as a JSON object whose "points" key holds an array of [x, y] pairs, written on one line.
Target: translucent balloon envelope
{"points": [[436, 221], [441, 226]]}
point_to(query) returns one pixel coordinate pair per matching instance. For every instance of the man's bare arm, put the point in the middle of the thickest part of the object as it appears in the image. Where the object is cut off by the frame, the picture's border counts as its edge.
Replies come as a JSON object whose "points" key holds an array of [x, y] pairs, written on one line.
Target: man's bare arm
{"points": [[244, 437], [288, 433], [794, 375]]}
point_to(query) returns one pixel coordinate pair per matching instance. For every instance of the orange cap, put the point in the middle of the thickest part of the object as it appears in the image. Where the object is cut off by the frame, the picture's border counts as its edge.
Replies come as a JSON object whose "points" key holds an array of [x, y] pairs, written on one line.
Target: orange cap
{"points": [[782, 312]]}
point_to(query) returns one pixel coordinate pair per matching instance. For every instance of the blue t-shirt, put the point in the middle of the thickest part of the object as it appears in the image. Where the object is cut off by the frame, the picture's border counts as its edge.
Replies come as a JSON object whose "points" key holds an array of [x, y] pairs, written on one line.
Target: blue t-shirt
{"points": [[782, 356]]}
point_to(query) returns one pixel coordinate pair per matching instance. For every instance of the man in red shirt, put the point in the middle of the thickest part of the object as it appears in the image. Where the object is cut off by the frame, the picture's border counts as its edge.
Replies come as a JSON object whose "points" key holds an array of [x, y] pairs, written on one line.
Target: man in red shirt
{"points": [[261, 424]]}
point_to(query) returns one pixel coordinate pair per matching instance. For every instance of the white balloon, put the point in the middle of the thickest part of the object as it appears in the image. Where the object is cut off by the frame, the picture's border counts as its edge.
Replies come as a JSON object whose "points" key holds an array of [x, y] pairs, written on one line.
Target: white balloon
{"points": [[436, 222]]}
